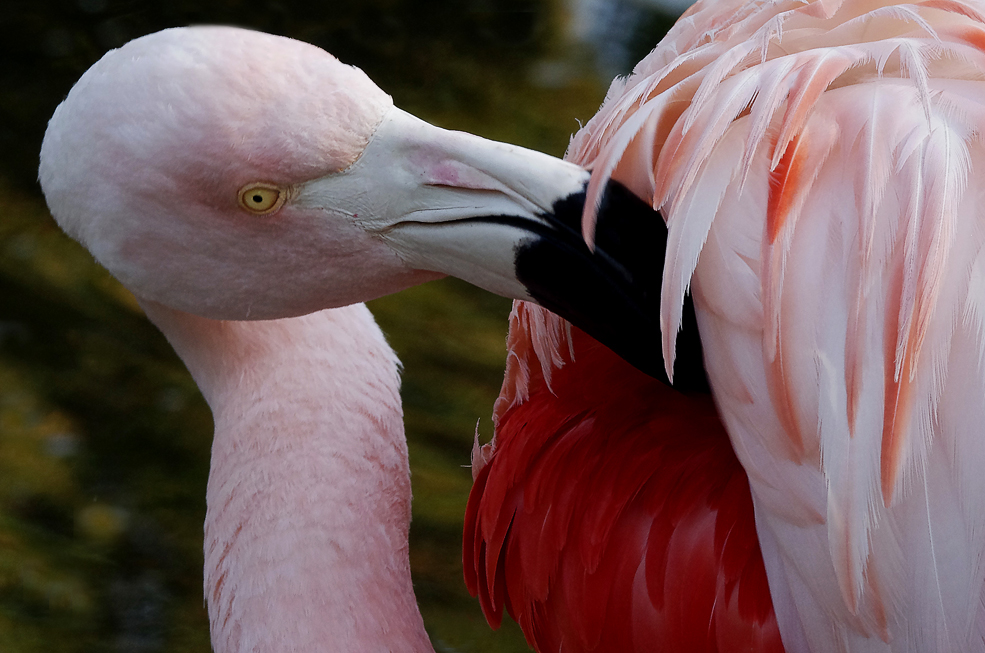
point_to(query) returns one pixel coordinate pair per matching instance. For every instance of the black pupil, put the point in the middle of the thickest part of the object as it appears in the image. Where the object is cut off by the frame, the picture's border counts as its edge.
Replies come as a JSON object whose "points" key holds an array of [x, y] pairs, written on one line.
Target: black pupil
{"points": [[258, 198]]}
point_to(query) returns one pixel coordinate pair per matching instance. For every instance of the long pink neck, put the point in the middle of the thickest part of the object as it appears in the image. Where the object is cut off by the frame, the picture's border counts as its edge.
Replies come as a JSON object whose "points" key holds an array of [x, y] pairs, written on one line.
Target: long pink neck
{"points": [[309, 493]]}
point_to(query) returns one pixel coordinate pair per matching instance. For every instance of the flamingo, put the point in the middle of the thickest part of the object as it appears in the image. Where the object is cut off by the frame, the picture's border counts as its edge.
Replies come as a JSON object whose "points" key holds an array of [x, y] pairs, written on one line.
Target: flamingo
{"points": [[251, 190], [815, 162]]}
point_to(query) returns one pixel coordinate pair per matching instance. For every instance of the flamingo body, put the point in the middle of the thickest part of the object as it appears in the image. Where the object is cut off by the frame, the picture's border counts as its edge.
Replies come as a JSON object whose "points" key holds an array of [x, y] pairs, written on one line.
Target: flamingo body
{"points": [[610, 513], [818, 166]]}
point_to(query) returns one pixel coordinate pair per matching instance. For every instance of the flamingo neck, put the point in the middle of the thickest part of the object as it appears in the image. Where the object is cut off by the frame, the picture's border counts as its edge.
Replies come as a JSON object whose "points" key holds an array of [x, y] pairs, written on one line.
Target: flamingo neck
{"points": [[308, 514]]}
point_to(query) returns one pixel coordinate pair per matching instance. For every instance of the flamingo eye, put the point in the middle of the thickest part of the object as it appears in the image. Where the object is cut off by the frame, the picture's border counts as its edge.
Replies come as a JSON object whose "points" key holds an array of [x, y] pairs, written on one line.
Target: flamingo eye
{"points": [[261, 198]]}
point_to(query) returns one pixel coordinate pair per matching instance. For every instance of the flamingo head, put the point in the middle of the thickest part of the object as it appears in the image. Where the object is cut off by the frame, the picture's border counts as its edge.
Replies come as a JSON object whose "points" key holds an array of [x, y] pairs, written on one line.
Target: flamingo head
{"points": [[238, 175], [191, 162]]}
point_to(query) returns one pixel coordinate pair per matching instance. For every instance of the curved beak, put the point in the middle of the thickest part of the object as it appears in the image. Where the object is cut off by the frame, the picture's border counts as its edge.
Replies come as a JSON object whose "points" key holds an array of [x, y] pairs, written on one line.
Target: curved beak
{"points": [[508, 220]]}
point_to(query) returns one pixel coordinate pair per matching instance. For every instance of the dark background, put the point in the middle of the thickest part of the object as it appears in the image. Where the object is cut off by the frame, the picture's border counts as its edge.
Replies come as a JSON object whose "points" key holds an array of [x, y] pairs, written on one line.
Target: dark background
{"points": [[104, 439]]}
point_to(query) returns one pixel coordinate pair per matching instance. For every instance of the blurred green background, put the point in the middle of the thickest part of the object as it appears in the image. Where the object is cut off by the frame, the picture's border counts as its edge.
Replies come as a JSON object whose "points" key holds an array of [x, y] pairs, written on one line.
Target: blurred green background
{"points": [[104, 439]]}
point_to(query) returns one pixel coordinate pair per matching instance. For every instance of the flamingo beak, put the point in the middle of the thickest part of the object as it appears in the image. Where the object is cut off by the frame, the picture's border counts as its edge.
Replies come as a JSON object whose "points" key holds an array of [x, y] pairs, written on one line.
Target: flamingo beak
{"points": [[508, 220]]}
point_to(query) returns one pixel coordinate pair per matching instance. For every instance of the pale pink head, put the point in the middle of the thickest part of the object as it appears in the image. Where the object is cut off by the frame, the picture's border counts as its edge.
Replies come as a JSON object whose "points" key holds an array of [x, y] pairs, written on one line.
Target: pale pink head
{"points": [[146, 160], [239, 175]]}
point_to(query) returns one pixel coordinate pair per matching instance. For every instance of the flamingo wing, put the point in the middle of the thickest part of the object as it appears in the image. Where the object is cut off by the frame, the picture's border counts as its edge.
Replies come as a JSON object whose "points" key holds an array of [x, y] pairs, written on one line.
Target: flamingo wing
{"points": [[610, 513], [817, 165]]}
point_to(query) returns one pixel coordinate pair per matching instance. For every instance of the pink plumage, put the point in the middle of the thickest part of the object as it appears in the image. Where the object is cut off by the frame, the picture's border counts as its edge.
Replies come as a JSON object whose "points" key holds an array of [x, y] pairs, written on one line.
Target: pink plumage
{"points": [[309, 488], [817, 164]]}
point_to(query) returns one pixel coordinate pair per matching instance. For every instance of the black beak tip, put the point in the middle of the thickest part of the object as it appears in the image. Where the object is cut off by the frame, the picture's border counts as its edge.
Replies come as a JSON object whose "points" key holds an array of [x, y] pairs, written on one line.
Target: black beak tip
{"points": [[613, 292]]}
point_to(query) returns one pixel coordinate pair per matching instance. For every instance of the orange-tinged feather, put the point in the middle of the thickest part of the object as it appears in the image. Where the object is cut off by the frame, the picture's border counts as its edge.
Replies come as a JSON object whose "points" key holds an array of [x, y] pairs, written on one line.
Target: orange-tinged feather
{"points": [[801, 104], [879, 606], [973, 36], [896, 405], [895, 429], [954, 7], [783, 402], [785, 182]]}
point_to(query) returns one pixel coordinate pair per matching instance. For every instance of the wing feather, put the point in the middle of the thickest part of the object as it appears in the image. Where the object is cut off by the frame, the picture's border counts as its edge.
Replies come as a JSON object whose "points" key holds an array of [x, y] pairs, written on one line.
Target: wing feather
{"points": [[613, 516]]}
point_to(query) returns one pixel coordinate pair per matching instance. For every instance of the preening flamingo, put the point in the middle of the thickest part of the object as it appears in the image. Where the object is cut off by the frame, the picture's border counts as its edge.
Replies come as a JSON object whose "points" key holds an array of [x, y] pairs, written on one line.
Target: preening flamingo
{"points": [[818, 165], [240, 184]]}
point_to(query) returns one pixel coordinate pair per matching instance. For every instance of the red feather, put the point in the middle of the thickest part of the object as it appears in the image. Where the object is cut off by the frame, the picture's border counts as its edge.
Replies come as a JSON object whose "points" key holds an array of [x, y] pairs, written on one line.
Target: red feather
{"points": [[614, 516]]}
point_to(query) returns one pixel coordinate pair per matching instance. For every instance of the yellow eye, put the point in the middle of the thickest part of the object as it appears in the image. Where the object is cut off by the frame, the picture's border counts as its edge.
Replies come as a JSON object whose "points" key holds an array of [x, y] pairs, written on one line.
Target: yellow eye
{"points": [[261, 198]]}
